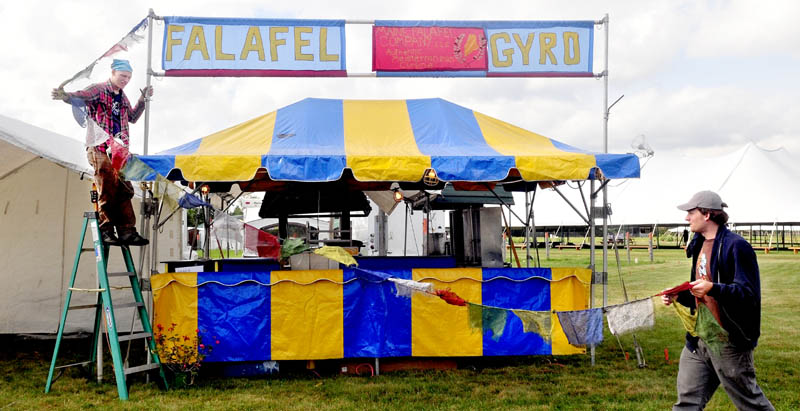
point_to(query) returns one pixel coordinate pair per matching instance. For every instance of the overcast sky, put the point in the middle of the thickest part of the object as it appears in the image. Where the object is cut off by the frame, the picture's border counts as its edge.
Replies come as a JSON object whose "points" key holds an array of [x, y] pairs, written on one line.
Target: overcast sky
{"points": [[698, 76]]}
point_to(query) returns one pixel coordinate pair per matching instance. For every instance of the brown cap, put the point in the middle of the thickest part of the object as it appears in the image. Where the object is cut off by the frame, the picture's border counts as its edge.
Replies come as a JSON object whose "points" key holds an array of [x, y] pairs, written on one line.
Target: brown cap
{"points": [[704, 199]]}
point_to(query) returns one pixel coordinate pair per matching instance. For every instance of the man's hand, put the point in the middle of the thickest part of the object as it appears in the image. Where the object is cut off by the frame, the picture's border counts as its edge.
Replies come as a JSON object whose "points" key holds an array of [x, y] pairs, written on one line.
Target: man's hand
{"points": [[59, 94], [666, 299], [147, 92], [701, 287]]}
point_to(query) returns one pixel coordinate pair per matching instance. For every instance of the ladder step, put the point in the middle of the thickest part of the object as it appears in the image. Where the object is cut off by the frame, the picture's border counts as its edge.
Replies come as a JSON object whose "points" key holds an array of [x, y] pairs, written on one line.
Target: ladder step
{"points": [[134, 336], [140, 368], [88, 290], [74, 364], [86, 250], [126, 305], [122, 274], [81, 307]]}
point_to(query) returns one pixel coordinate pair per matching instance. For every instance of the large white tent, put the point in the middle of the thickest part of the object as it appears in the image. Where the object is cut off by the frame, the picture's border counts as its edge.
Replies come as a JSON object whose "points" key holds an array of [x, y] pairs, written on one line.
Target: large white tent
{"points": [[758, 184], [45, 181]]}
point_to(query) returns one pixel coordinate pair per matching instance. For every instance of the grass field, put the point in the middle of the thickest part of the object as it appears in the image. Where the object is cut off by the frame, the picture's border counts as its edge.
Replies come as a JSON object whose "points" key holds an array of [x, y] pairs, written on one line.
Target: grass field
{"points": [[485, 383]]}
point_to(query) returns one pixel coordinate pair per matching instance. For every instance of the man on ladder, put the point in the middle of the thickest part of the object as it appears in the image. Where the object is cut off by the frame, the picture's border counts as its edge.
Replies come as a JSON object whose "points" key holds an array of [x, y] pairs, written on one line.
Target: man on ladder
{"points": [[109, 111]]}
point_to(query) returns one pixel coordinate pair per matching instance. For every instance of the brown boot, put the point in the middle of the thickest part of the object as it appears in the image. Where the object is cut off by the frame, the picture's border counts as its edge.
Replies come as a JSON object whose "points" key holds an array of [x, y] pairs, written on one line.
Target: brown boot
{"points": [[133, 238]]}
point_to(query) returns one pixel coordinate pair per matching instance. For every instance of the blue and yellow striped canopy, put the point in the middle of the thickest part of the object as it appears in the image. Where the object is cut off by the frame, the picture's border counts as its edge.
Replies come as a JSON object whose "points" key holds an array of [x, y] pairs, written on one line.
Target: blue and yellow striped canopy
{"points": [[315, 140]]}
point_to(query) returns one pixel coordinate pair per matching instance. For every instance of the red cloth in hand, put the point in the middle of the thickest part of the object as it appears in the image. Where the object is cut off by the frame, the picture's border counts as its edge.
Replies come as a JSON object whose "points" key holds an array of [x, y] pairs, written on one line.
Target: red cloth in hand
{"points": [[675, 290]]}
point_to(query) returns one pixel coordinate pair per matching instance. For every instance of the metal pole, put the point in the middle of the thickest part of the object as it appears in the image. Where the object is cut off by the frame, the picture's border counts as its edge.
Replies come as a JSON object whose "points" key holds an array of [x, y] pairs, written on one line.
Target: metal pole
{"points": [[405, 233], [150, 16], [605, 187], [527, 232], [591, 254]]}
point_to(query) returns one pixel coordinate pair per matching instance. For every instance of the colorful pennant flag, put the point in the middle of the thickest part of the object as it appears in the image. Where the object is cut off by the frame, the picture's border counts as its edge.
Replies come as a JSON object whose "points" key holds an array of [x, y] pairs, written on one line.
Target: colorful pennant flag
{"points": [[192, 201], [405, 288], [538, 322], [450, 297], [709, 330], [134, 36], [261, 243], [582, 327], [227, 229], [486, 318], [631, 316], [137, 170], [168, 192], [688, 319], [675, 290], [338, 254]]}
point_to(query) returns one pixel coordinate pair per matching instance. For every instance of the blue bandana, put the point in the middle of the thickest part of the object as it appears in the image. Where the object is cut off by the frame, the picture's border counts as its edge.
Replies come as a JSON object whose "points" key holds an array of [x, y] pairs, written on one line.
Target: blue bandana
{"points": [[121, 65]]}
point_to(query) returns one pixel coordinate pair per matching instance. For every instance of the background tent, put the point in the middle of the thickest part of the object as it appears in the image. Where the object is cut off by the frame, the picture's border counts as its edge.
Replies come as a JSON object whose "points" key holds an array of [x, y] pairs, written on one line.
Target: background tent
{"points": [[756, 183], [43, 194]]}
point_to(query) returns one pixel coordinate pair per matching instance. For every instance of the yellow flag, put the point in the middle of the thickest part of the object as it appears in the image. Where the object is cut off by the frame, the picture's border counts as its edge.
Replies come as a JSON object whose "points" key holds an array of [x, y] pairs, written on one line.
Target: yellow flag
{"points": [[338, 254], [167, 191], [688, 319]]}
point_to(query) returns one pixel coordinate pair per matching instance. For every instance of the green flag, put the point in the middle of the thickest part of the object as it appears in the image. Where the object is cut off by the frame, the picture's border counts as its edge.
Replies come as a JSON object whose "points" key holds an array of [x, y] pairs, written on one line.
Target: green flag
{"points": [[538, 322]]}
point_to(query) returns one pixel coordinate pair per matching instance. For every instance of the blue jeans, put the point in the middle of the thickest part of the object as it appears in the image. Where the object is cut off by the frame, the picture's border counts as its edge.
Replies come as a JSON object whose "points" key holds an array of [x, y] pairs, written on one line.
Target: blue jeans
{"points": [[700, 373]]}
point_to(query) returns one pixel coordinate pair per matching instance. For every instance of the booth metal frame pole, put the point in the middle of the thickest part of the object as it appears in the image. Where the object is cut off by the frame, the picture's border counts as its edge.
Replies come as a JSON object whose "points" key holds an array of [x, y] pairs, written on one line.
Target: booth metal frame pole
{"points": [[605, 186]]}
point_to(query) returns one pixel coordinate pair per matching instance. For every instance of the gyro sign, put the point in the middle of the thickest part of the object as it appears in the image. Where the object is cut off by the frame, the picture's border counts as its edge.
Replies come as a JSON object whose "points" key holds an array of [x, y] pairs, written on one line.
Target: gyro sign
{"points": [[483, 48]]}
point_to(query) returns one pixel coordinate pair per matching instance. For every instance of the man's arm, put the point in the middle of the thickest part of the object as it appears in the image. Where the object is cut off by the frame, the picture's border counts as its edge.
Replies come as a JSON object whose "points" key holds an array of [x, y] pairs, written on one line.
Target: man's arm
{"points": [[137, 110], [88, 94]]}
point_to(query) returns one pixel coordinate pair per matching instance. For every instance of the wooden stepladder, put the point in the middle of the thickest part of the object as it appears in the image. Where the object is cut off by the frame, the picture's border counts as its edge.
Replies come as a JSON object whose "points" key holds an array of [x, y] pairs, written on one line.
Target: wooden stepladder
{"points": [[104, 310]]}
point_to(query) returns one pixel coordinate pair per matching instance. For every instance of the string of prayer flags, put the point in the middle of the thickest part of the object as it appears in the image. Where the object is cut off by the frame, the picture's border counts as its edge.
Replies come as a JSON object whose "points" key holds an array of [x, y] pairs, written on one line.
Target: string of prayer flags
{"points": [[709, 330], [675, 290], [688, 319], [632, 316], [486, 318], [582, 327], [134, 36], [538, 322], [338, 254], [405, 288], [450, 297]]}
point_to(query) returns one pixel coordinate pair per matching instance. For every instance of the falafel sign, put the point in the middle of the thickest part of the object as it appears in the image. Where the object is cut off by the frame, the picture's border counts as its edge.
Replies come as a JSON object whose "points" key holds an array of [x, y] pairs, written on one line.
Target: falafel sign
{"points": [[236, 47], [483, 48]]}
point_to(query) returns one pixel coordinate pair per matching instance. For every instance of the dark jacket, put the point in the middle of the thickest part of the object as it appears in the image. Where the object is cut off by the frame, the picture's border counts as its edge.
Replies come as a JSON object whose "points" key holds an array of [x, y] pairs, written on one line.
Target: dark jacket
{"points": [[737, 287]]}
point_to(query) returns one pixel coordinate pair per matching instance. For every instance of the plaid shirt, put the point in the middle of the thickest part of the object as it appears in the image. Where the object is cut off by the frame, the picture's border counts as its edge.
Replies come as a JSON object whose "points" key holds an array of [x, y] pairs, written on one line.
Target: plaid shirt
{"points": [[99, 98]]}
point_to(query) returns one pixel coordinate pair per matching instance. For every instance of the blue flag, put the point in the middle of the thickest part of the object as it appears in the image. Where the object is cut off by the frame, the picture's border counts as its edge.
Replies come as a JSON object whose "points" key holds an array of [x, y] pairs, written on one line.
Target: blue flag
{"points": [[190, 201], [582, 327]]}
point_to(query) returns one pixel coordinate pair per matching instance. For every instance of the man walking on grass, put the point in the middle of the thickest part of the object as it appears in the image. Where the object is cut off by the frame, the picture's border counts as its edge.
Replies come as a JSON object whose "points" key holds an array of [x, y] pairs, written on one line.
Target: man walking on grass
{"points": [[726, 294]]}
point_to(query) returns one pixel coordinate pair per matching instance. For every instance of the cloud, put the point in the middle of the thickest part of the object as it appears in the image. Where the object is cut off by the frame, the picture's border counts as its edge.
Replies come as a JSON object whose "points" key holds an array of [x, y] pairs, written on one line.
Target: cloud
{"points": [[664, 57]]}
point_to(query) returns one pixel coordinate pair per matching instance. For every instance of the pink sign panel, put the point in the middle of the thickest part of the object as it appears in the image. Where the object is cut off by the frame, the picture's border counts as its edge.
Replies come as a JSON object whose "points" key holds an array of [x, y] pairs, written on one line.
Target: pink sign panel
{"points": [[428, 48]]}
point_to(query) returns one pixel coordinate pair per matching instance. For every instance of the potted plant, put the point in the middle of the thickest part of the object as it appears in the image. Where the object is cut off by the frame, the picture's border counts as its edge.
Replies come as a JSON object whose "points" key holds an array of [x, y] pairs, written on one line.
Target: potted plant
{"points": [[182, 354]]}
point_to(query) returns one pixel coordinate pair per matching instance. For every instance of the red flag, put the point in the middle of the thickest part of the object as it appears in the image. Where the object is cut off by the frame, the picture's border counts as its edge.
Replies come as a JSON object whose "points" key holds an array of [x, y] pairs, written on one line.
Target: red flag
{"points": [[261, 242], [451, 297], [675, 290]]}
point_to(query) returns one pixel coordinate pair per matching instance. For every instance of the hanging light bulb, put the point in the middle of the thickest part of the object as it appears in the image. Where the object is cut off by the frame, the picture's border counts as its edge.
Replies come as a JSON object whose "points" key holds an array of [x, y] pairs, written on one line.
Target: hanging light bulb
{"points": [[430, 178], [397, 193], [204, 189]]}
